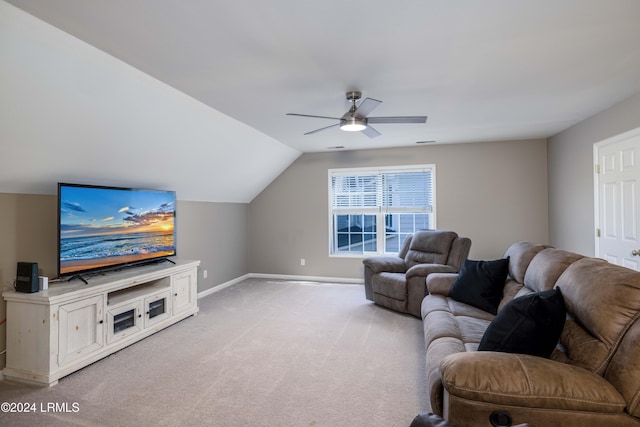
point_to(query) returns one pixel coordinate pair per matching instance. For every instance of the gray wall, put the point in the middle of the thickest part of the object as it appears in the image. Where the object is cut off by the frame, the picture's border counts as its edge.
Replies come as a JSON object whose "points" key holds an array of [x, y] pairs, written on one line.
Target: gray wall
{"points": [[571, 192], [493, 192], [214, 233]]}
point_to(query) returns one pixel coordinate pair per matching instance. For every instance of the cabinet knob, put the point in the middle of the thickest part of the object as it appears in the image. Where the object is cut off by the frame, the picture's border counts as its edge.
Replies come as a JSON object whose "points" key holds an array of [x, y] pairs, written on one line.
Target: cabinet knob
{"points": [[175, 295], [139, 315], [635, 252], [101, 322]]}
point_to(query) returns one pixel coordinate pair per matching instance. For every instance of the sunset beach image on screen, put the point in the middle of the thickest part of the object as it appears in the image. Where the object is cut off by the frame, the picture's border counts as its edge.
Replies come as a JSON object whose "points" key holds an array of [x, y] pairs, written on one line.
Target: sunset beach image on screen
{"points": [[102, 227]]}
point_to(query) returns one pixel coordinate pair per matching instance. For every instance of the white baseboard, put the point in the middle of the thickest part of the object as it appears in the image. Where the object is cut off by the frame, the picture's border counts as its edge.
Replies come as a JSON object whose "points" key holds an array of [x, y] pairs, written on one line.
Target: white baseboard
{"points": [[307, 278], [222, 286], [277, 277]]}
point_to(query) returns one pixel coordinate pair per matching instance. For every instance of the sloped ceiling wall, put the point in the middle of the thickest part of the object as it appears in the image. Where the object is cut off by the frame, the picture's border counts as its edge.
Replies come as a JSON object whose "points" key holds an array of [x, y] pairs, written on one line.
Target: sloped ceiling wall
{"points": [[105, 122]]}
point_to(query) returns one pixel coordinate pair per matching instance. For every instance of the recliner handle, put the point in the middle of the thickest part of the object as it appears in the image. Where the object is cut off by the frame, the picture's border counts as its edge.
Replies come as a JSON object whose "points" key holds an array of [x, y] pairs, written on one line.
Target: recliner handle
{"points": [[500, 419]]}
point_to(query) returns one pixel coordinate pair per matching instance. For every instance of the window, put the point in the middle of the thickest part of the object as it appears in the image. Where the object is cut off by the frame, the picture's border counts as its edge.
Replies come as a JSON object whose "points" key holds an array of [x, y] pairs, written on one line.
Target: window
{"points": [[371, 211]]}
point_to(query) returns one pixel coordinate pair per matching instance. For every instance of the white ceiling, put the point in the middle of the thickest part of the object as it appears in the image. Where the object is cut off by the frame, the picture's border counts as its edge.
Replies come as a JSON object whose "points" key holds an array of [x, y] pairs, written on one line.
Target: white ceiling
{"points": [[481, 70]]}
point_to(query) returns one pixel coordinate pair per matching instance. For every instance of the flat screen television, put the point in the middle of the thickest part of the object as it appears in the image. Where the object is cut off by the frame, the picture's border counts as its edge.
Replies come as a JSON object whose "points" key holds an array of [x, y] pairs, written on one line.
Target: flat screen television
{"points": [[103, 228]]}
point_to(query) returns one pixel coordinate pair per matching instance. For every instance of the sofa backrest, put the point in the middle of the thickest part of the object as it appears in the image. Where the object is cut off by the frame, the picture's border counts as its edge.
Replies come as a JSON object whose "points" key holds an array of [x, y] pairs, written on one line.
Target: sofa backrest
{"points": [[520, 255], [460, 248], [429, 247], [546, 267], [405, 246], [533, 268], [601, 333]]}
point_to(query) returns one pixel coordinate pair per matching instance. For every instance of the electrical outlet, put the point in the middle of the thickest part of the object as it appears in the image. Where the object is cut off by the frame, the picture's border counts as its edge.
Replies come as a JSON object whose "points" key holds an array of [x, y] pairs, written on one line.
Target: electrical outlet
{"points": [[204, 274], [302, 261]]}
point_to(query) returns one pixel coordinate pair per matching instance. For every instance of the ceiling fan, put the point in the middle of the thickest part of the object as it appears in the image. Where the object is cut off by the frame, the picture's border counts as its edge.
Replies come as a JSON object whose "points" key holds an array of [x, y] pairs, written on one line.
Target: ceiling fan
{"points": [[356, 119]]}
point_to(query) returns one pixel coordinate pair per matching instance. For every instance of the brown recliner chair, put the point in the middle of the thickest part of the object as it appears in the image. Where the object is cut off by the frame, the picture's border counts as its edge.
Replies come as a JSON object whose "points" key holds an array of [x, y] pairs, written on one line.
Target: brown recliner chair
{"points": [[398, 282]]}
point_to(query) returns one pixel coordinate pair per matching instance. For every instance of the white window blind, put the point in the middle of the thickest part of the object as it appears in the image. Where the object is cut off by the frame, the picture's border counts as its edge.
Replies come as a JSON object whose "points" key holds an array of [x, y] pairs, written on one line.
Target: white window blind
{"points": [[389, 191], [355, 192], [407, 191]]}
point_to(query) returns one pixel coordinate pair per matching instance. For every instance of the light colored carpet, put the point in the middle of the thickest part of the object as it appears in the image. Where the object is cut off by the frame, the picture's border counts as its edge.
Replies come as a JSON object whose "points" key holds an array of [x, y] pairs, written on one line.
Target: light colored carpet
{"points": [[259, 353]]}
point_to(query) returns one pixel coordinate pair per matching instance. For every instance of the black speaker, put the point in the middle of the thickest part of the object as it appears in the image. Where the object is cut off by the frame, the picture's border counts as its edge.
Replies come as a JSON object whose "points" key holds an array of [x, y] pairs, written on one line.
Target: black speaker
{"points": [[27, 277]]}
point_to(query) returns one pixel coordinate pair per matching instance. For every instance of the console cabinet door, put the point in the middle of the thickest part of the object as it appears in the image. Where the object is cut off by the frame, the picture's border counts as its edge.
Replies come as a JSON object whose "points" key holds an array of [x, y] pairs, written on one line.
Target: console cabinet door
{"points": [[124, 320], [81, 329], [157, 308], [184, 291]]}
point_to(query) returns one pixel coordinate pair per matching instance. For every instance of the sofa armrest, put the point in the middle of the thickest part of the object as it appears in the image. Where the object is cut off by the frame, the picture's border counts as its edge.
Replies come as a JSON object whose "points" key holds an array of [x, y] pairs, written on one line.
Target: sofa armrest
{"points": [[524, 381], [440, 283], [392, 264], [424, 270]]}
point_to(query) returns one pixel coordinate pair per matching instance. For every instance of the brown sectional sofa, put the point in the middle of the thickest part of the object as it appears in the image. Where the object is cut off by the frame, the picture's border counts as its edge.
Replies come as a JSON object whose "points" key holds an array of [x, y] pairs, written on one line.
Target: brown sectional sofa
{"points": [[592, 378]]}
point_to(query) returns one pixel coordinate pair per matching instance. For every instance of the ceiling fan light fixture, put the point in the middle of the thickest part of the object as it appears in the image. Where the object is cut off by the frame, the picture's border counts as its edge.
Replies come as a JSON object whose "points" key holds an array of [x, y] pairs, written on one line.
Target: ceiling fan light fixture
{"points": [[353, 124]]}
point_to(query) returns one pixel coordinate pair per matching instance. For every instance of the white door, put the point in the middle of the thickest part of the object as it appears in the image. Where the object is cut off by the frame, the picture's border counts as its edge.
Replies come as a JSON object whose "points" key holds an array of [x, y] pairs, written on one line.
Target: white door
{"points": [[618, 198]]}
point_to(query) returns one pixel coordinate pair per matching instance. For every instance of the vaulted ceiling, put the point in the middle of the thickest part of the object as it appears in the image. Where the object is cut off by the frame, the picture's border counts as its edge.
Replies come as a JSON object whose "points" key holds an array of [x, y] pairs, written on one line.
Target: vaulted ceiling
{"points": [[480, 70]]}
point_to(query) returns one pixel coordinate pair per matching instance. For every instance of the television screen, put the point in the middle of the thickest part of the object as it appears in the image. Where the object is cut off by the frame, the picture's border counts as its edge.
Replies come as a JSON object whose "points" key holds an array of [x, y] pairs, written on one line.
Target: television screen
{"points": [[105, 227]]}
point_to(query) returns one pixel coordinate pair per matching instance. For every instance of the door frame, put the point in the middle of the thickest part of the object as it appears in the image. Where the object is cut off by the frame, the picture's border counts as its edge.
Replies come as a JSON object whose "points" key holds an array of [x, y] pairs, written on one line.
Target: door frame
{"points": [[596, 181]]}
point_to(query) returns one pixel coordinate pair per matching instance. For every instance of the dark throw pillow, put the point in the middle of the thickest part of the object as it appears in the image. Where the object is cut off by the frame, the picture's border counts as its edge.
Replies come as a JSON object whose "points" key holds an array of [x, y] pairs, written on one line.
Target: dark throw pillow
{"points": [[530, 324], [480, 283]]}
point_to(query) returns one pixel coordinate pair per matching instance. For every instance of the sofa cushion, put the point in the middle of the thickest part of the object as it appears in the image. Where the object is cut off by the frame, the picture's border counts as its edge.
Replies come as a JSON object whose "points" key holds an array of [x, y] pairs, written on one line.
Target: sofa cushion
{"points": [[393, 285], [530, 324], [480, 283], [525, 381]]}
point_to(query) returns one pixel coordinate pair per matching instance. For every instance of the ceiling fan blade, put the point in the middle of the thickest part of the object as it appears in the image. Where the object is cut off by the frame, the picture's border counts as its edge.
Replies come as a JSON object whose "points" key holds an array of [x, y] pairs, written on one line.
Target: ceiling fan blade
{"points": [[366, 106], [321, 129], [370, 132], [398, 119], [309, 115]]}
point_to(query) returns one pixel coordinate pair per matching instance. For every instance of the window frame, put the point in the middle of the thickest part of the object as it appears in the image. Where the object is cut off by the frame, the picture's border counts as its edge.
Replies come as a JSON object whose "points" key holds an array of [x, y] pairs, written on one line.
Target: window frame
{"points": [[378, 211]]}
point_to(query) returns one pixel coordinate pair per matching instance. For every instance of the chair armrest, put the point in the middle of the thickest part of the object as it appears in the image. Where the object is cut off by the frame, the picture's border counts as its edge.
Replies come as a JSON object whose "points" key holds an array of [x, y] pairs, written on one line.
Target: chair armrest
{"points": [[424, 270], [391, 264], [440, 283], [525, 381]]}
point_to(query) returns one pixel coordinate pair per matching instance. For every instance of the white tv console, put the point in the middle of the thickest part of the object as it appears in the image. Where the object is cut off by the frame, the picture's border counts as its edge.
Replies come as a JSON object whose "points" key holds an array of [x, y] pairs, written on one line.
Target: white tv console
{"points": [[57, 331]]}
